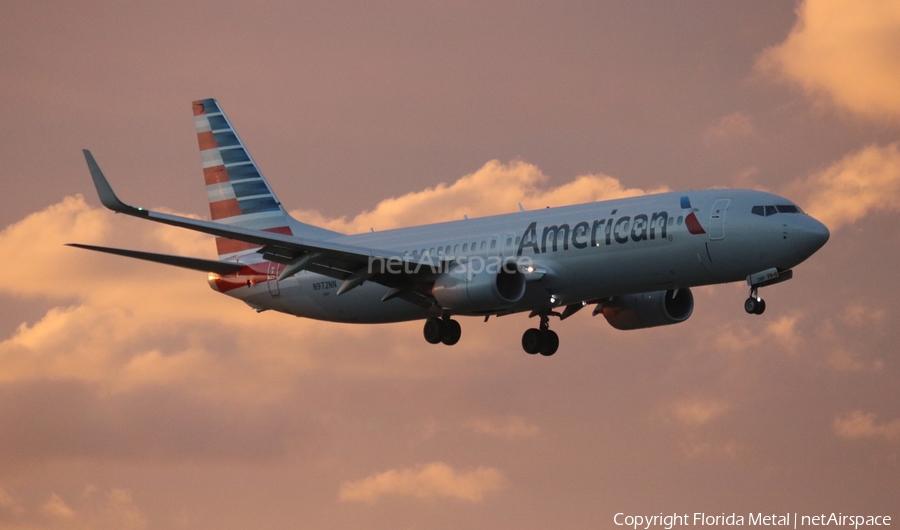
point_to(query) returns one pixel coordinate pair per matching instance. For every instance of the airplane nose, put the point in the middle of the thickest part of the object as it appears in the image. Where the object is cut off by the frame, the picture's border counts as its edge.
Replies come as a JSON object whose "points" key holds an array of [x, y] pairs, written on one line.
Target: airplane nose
{"points": [[809, 236]]}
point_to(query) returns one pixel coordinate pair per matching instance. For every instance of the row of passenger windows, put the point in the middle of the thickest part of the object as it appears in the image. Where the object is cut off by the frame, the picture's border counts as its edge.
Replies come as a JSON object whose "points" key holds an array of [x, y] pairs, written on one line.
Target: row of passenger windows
{"points": [[768, 210], [465, 248]]}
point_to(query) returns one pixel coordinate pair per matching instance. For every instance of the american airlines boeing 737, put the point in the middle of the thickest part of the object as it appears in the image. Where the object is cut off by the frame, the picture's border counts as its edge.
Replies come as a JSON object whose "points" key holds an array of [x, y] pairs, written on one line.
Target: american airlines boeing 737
{"points": [[634, 260]]}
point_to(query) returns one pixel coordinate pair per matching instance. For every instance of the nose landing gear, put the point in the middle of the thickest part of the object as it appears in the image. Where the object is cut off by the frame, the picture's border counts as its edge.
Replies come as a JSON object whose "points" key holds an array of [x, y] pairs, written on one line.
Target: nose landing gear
{"points": [[541, 340], [754, 305]]}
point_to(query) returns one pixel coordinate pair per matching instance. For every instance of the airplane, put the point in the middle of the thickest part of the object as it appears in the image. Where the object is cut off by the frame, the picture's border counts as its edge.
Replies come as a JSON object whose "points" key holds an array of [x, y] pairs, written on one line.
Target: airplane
{"points": [[633, 259]]}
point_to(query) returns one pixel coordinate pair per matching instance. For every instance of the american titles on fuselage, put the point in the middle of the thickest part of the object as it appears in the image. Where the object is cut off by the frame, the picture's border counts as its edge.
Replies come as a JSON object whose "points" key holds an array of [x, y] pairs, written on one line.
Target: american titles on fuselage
{"points": [[641, 227]]}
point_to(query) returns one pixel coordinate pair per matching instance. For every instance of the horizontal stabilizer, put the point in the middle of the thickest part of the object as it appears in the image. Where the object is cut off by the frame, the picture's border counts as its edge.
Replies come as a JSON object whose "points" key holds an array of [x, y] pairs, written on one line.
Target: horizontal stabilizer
{"points": [[197, 264]]}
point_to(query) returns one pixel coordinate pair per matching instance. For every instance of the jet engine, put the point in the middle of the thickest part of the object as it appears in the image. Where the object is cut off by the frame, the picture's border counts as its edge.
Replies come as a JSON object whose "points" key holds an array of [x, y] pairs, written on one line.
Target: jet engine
{"points": [[472, 288], [647, 310]]}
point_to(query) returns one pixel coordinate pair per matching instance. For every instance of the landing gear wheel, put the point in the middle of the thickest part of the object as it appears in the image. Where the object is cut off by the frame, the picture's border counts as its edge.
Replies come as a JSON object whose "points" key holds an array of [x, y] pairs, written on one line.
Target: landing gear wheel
{"points": [[434, 330], [452, 332], [541, 339], [760, 307], [755, 306], [531, 341], [749, 307], [549, 343]]}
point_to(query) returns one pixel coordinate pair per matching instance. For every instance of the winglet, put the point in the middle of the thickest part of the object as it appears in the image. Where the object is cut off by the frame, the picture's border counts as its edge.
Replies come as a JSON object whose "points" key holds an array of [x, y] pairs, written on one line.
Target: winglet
{"points": [[104, 190]]}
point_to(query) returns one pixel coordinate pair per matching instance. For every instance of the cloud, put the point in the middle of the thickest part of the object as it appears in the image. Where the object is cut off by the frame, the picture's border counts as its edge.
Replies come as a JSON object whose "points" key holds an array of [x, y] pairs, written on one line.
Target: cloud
{"points": [[860, 425], [57, 508], [732, 337], [860, 314], [784, 330], [114, 509], [496, 188], [7, 502], [861, 183], [845, 51], [698, 411], [729, 449], [844, 360], [734, 125], [775, 334], [509, 428], [430, 481], [834, 337]]}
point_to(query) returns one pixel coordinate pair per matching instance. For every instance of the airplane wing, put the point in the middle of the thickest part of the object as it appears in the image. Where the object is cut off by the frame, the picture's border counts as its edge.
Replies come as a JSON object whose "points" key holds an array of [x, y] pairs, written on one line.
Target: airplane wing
{"points": [[353, 264]]}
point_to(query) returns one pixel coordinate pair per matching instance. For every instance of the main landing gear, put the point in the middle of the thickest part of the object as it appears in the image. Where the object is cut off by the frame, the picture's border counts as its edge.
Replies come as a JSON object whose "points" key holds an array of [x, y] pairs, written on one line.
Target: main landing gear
{"points": [[541, 340], [535, 340], [444, 330]]}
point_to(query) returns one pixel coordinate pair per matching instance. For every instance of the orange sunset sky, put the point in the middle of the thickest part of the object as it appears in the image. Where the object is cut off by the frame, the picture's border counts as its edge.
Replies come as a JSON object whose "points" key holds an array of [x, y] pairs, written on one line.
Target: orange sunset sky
{"points": [[132, 396]]}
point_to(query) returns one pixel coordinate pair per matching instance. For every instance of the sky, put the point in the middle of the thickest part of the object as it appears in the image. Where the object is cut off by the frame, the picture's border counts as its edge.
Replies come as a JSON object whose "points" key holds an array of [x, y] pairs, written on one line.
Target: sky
{"points": [[132, 396]]}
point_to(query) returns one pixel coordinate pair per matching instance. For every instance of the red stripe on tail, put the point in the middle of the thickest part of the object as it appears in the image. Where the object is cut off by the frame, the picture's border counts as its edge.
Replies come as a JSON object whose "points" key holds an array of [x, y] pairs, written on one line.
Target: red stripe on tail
{"points": [[223, 209]]}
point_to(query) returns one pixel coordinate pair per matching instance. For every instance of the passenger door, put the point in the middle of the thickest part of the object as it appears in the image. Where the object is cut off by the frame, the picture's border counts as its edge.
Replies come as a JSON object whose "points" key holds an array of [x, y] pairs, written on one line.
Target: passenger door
{"points": [[717, 219]]}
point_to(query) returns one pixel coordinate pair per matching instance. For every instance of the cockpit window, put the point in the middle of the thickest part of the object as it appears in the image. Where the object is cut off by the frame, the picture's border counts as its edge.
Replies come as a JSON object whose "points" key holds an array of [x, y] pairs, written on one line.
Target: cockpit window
{"points": [[768, 210]]}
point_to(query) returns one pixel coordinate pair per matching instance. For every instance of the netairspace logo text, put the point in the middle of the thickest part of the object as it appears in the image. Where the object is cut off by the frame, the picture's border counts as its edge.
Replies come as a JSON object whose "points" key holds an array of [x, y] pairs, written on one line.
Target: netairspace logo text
{"points": [[786, 520]]}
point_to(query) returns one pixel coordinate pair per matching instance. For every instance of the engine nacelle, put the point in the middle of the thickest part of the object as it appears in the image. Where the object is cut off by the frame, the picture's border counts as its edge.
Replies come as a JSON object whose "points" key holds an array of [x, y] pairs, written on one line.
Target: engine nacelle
{"points": [[646, 310], [470, 287]]}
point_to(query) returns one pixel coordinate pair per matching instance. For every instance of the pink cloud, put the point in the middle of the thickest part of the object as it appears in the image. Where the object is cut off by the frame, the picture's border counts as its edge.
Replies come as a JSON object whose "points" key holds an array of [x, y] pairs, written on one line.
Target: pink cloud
{"points": [[859, 184], [436, 480], [495, 188], [860, 425], [846, 51]]}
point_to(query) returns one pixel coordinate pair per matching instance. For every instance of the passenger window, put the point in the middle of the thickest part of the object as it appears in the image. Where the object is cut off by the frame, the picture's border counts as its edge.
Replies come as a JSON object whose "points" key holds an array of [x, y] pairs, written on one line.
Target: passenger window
{"points": [[508, 241], [483, 243], [680, 220], [770, 210], [474, 246], [493, 244], [431, 250], [447, 250], [758, 210], [465, 247], [518, 239]]}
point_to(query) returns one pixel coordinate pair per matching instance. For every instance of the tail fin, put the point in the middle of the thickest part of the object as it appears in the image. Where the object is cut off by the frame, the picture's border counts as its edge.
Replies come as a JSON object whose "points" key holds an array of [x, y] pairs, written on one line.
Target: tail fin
{"points": [[238, 193]]}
